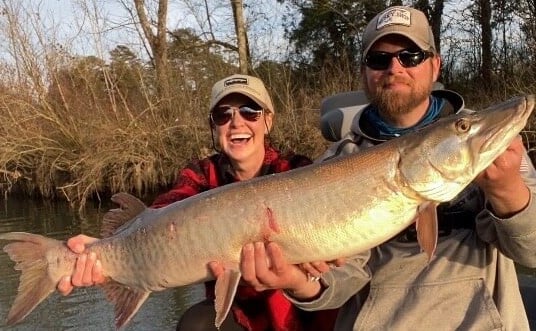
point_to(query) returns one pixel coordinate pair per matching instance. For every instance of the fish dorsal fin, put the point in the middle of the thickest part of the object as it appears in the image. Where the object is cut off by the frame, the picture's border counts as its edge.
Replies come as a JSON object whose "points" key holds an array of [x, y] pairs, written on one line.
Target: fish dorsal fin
{"points": [[114, 219], [426, 226], [127, 301], [225, 290]]}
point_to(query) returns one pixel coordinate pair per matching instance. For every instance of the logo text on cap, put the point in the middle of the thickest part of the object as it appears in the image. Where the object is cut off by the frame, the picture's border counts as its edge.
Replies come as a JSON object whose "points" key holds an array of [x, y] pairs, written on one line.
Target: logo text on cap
{"points": [[234, 81], [394, 16]]}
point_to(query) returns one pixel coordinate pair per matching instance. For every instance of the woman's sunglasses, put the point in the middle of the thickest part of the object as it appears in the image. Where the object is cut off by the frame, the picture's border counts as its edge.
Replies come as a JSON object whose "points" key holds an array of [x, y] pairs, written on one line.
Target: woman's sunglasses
{"points": [[224, 113], [408, 58]]}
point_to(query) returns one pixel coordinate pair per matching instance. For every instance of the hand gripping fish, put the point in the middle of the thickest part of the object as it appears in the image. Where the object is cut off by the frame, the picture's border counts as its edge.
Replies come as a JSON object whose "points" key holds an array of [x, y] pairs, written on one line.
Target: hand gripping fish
{"points": [[320, 212]]}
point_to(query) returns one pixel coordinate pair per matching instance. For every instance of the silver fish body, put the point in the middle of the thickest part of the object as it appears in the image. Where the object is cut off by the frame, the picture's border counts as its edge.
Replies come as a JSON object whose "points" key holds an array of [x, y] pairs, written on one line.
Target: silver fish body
{"points": [[324, 211]]}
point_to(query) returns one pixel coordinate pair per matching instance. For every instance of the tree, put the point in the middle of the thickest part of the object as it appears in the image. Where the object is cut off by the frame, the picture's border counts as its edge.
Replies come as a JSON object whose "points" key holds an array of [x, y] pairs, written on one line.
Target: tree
{"points": [[329, 32], [434, 13], [196, 63], [127, 77], [241, 36], [528, 25], [484, 19], [159, 46]]}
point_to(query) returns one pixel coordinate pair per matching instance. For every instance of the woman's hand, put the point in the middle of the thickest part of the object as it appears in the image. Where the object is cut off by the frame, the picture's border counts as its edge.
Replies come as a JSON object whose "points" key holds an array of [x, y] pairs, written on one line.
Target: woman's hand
{"points": [[264, 267], [88, 270]]}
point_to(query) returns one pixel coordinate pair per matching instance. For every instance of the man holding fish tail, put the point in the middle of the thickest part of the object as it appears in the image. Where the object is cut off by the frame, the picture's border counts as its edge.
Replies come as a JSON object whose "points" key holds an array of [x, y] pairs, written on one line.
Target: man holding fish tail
{"points": [[465, 281]]}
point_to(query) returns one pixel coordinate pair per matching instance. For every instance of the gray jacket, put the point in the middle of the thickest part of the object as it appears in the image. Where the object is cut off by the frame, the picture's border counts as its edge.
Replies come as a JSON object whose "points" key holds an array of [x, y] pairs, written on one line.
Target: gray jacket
{"points": [[470, 284]]}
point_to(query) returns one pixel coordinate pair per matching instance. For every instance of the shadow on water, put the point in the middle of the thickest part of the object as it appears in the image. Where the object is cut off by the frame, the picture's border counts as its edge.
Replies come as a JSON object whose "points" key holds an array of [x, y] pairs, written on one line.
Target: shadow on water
{"points": [[86, 308]]}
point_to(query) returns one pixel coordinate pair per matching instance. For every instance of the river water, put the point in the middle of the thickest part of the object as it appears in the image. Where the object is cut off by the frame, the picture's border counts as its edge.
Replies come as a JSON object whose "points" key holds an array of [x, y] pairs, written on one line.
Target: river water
{"points": [[86, 308]]}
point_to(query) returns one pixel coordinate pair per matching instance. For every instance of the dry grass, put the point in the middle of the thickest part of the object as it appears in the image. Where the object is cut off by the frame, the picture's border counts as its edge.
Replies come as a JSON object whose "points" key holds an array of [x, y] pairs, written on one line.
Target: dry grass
{"points": [[91, 137], [77, 142]]}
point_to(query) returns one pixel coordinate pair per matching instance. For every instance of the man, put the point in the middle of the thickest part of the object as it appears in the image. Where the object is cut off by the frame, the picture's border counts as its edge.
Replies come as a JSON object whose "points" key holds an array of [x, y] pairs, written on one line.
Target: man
{"points": [[471, 283]]}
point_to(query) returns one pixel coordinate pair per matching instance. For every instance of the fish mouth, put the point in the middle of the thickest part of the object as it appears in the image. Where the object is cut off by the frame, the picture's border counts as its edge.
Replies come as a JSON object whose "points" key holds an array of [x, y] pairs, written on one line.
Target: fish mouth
{"points": [[504, 123]]}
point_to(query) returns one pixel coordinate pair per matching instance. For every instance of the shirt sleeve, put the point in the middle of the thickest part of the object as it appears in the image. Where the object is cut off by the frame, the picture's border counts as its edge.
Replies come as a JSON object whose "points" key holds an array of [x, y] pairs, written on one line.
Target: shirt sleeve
{"points": [[341, 283], [190, 181], [515, 236]]}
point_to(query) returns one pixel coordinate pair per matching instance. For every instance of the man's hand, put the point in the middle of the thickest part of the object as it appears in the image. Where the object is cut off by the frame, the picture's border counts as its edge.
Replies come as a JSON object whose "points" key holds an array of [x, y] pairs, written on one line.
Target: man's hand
{"points": [[88, 270], [317, 268], [502, 182]]}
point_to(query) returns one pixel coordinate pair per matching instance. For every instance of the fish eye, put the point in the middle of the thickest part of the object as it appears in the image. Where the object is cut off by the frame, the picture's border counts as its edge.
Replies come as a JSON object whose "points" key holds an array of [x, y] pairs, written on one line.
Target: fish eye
{"points": [[462, 125]]}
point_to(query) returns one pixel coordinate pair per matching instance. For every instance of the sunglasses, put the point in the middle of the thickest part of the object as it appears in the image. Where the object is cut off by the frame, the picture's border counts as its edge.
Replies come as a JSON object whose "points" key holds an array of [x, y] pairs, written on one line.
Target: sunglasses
{"points": [[408, 58], [224, 113]]}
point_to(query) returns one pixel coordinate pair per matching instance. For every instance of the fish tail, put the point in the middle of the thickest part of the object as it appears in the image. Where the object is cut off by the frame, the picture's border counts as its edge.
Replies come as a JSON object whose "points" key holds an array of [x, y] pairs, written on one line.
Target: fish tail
{"points": [[29, 252]]}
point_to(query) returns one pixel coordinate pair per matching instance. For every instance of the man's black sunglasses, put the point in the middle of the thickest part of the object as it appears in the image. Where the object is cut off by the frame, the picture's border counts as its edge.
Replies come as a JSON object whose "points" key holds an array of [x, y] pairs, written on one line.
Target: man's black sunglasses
{"points": [[408, 58], [223, 114]]}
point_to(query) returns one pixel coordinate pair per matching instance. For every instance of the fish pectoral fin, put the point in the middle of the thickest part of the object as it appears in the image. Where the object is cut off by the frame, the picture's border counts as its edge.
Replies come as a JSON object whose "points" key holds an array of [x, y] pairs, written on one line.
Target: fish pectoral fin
{"points": [[225, 290], [427, 227], [29, 252], [127, 301]]}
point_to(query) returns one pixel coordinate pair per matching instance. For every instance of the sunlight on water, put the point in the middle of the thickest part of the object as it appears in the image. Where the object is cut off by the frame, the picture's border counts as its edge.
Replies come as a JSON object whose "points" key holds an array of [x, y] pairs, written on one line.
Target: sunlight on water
{"points": [[86, 308]]}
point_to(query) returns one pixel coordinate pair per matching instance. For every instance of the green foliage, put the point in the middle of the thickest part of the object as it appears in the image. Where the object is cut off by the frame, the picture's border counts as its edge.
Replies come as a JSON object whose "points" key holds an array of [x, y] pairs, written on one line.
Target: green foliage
{"points": [[334, 30]]}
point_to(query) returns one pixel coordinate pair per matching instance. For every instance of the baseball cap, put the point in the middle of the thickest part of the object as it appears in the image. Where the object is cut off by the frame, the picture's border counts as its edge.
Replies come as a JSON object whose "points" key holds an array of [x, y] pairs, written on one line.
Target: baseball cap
{"points": [[405, 21], [250, 86]]}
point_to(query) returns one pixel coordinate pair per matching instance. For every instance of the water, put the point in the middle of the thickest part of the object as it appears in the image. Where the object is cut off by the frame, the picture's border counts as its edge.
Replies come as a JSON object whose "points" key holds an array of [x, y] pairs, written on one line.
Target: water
{"points": [[85, 308]]}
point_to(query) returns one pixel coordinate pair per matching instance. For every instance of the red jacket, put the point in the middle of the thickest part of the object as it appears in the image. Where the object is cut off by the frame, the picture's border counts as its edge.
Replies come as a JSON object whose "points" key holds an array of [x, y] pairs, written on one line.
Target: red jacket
{"points": [[255, 311]]}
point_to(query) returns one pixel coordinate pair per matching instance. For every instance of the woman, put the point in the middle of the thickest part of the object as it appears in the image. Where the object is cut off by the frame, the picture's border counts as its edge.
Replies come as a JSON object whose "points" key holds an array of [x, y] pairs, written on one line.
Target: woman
{"points": [[241, 117]]}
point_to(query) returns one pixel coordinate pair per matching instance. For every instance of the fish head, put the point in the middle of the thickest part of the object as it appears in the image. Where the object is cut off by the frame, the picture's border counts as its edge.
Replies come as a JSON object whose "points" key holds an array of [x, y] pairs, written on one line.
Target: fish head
{"points": [[440, 160]]}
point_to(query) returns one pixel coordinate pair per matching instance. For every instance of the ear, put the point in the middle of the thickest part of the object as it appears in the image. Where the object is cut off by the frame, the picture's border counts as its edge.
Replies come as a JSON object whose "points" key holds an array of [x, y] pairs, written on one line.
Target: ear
{"points": [[436, 67], [268, 121]]}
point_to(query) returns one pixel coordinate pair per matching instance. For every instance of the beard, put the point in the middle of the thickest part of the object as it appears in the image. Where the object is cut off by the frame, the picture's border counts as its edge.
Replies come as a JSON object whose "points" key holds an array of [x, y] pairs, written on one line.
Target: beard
{"points": [[392, 104]]}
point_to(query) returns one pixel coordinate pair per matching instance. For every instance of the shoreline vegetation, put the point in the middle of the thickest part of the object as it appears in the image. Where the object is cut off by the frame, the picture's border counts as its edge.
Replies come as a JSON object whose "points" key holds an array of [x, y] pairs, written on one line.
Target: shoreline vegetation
{"points": [[89, 137]]}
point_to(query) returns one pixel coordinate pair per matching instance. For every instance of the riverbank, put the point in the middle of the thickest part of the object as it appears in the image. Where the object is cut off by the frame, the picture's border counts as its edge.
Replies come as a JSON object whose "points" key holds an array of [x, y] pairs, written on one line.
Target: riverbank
{"points": [[85, 141]]}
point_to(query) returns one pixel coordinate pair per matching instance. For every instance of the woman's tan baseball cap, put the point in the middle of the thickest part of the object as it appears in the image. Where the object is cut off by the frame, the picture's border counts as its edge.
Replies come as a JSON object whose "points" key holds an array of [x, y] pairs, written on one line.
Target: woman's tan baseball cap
{"points": [[250, 86]]}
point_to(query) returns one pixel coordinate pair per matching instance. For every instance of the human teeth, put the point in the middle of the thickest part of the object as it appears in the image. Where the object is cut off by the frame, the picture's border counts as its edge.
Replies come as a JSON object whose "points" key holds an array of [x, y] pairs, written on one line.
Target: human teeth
{"points": [[241, 136]]}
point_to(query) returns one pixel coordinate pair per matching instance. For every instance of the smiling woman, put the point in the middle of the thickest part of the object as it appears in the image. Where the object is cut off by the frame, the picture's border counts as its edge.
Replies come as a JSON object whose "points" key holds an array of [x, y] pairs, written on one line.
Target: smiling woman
{"points": [[241, 116]]}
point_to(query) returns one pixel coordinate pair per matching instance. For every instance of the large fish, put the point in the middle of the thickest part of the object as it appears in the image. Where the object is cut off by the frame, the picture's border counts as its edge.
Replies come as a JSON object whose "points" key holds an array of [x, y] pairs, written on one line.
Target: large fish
{"points": [[320, 212]]}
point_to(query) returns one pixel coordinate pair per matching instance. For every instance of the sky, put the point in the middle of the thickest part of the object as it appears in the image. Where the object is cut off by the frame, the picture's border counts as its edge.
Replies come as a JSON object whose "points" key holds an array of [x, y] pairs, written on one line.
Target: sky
{"points": [[77, 26]]}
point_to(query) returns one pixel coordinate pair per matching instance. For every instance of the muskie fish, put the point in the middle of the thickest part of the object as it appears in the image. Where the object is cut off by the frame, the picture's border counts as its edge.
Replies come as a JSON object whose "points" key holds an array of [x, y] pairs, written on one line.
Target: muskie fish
{"points": [[321, 212]]}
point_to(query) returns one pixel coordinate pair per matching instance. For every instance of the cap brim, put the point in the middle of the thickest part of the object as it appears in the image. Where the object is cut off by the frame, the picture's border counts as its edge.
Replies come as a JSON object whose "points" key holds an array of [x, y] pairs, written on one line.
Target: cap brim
{"points": [[422, 45], [241, 91]]}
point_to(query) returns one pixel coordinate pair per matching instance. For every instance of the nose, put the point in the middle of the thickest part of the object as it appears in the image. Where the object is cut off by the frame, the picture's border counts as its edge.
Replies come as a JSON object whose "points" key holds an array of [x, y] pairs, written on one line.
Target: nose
{"points": [[395, 65], [236, 119]]}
